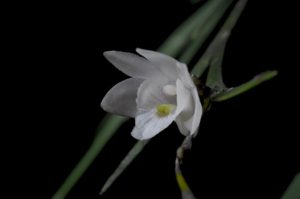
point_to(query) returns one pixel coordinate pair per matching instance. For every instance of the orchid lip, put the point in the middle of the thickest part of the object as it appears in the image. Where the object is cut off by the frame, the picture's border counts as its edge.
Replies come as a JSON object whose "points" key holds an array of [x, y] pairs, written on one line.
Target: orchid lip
{"points": [[163, 110]]}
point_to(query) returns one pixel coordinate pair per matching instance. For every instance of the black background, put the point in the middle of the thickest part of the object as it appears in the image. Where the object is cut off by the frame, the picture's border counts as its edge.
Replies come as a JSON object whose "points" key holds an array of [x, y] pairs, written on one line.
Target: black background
{"points": [[246, 148]]}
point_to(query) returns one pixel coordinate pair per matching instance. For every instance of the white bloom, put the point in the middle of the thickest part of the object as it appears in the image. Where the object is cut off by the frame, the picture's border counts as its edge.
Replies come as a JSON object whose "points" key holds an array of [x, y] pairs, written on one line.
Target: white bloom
{"points": [[159, 92]]}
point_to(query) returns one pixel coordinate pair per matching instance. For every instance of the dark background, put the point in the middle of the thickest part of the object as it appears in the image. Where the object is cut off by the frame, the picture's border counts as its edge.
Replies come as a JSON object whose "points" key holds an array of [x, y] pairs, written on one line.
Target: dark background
{"points": [[246, 147]]}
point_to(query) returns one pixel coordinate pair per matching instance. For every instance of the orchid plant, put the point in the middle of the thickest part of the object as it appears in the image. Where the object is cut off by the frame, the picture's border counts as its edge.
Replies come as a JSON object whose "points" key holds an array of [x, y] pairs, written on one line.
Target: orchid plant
{"points": [[160, 89], [159, 92]]}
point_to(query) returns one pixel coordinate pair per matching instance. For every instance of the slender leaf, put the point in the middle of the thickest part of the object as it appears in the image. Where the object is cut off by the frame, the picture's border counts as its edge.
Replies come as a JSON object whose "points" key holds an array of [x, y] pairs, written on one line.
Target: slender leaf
{"points": [[214, 76], [203, 30], [182, 35], [216, 48], [293, 191], [232, 92], [137, 148], [105, 131]]}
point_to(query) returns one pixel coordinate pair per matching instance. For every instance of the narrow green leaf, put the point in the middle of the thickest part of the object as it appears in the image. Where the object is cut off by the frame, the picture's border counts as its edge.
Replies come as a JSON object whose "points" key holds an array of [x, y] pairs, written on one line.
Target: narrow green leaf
{"points": [[182, 35], [105, 130], [137, 148], [203, 30], [232, 92], [214, 76], [293, 190], [216, 48]]}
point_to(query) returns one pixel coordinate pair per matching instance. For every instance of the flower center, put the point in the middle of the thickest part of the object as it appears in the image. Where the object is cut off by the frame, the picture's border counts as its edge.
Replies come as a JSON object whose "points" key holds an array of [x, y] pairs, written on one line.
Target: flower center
{"points": [[169, 90], [163, 110]]}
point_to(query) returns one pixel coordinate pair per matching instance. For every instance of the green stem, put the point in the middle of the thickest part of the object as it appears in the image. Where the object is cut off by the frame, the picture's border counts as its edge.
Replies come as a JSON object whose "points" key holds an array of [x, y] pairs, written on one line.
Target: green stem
{"points": [[181, 37], [186, 192], [293, 191], [137, 148], [203, 30], [232, 92], [214, 78], [220, 39], [106, 129]]}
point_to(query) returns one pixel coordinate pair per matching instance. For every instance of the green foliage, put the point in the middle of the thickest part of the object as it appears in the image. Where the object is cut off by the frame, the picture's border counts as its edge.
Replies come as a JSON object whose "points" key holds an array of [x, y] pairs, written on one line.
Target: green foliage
{"points": [[191, 29], [108, 126], [183, 43], [136, 149], [232, 92], [293, 191]]}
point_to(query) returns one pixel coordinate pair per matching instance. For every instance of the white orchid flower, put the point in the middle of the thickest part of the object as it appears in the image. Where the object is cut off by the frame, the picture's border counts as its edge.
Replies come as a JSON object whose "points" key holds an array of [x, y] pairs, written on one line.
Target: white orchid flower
{"points": [[158, 92]]}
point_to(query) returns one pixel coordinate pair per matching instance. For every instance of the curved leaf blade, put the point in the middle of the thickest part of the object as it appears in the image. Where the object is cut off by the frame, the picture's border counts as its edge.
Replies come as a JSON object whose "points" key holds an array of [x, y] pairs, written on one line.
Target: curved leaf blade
{"points": [[105, 131], [133, 153]]}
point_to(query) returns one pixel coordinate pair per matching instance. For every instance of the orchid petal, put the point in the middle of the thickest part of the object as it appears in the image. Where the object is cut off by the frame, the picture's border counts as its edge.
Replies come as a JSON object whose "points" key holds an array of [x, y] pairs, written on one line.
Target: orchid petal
{"points": [[184, 99], [182, 96], [150, 94], [184, 75], [186, 113], [193, 122], [197, 112], [131, 64], [121, 99], [189, 119], [164, 63], [181, 126], [148, 124], [160, 92]]}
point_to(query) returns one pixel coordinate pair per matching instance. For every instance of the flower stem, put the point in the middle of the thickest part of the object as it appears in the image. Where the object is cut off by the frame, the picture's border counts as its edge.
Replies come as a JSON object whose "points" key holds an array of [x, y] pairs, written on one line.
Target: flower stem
{"points": [[186, 192]]}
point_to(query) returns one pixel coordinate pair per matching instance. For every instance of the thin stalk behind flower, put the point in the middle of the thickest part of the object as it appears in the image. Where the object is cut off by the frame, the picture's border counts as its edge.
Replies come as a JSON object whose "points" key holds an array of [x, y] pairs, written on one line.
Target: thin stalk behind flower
{"points": [[203, 29], [217, 46], [235, 91], [182, 36], [293, 190], [137, 148], [108, 125], [213, 58]]}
